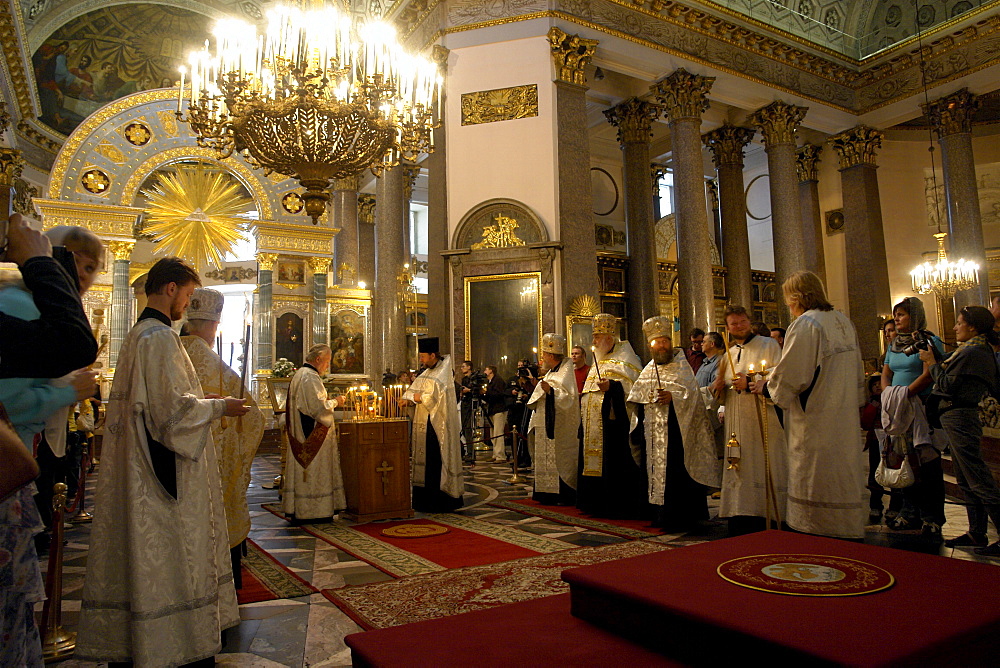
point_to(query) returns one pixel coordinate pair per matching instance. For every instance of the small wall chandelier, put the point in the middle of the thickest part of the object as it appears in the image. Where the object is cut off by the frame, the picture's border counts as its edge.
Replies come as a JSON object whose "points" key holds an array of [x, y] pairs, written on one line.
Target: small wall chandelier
{"points": [[316, 97]]}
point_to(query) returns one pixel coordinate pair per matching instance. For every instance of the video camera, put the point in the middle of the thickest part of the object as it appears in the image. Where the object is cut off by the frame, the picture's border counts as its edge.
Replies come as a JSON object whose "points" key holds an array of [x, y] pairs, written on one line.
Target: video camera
{"points": [[921, 341]]}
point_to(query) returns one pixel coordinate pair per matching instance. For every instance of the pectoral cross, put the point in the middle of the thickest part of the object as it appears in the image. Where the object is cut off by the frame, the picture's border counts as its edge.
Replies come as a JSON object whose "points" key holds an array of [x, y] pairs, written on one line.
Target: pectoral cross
{"points": [[384, 469]]}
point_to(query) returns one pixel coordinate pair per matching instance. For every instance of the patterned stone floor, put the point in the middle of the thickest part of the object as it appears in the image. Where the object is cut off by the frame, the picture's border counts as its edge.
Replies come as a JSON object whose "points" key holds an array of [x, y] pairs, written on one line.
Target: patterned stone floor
{"points": [[309, 631]]}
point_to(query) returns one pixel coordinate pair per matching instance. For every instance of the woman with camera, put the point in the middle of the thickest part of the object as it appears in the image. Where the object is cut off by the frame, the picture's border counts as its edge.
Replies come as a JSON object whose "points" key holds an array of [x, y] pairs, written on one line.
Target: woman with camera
{"points": [[923, 501], [960, 383]]}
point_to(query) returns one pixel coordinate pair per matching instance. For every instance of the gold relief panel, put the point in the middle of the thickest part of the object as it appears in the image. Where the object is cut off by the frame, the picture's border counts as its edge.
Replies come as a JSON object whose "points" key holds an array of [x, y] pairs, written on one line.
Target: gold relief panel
{"points": [[292, 202], [104, 220], [500, 104], [168, 121], [111, 152], [284, 243], [137, 134], [95, 182]]}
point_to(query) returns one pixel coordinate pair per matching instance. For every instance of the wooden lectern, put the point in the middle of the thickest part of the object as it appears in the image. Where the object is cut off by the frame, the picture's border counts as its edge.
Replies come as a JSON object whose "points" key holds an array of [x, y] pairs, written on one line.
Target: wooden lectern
{"points": [[375, 461]]}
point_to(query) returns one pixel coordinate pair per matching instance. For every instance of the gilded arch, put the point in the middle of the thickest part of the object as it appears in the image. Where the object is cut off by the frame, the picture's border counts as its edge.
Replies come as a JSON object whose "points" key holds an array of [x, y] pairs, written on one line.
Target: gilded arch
{"points": [[474, 224]]}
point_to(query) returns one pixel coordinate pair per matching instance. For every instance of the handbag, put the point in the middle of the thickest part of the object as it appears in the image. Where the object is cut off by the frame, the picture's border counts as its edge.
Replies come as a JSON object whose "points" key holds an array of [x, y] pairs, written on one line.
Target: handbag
{"points": [[894, 470], [19, 467]]}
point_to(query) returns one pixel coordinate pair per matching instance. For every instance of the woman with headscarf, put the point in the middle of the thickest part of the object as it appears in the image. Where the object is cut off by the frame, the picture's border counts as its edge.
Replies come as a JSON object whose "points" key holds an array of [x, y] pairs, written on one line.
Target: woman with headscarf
{"points": [[923, 506], [960, 383]]}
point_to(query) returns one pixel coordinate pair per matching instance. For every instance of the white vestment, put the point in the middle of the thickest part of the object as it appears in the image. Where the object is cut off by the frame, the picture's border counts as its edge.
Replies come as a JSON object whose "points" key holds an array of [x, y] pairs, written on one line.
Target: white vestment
{"points": [[237, 442], [743, 488], [316, 491], [620, 364], [826, 465], [556, 458], [437, 402], [700, 457], [159, 584]]}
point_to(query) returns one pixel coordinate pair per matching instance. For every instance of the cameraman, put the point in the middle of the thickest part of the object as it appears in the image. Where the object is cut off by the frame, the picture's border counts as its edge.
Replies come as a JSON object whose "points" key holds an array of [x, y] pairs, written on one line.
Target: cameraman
{"points": [[923, 501], [61, 331]]}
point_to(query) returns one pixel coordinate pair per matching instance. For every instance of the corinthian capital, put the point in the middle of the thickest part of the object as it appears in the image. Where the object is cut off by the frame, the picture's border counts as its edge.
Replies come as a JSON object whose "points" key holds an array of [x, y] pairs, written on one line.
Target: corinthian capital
{"points": [[571, 53], [857, 146], [439, 54], [265, 261], [366, 208], [657, 171], [634, 120], [727, 144], [410, 174], [806, 161], [778, 122], [122, 250], [682, 94], [346, 183], [952, 114], [319, 265], [11, 164]]}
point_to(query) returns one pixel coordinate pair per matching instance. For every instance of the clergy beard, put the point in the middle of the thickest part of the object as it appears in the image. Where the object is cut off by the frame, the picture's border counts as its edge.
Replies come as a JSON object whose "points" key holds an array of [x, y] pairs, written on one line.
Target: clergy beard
{"points": [[663, 356]]}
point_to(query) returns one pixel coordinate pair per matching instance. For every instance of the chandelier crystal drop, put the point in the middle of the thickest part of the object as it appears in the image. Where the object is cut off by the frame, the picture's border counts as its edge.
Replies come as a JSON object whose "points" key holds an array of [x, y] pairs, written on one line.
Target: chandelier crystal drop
{"points": [[945, 277], [316, 97]]}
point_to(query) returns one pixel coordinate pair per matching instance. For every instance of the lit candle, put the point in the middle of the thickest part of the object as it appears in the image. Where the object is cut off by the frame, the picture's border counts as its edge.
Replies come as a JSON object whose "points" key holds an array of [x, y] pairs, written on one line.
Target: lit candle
{"points": [[535, 350], [597, 367], [751, 368], [763, 366], [180, 91]]}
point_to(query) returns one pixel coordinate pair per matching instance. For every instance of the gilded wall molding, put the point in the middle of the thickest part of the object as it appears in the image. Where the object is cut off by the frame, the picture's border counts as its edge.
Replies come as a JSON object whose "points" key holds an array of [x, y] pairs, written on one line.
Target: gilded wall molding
{"points": [[634, 120], [807, 162], [107, 221], [571, 54], [291, 238], [11, 166], [857, 146], [20, 83], [952, 114], [500, 104], [727, 144], [682, 94], [778, 122]]}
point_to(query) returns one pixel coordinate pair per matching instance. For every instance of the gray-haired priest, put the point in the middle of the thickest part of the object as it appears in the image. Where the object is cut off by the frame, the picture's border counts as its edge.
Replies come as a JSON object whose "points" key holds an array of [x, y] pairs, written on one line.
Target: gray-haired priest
{"points": [[670, 421], [554, 430], [437, 454], [313, 486]]}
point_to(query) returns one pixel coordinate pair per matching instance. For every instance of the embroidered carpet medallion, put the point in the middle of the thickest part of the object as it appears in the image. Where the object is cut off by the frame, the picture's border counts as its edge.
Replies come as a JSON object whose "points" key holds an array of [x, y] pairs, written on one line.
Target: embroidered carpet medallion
{"points": [[420, 597], [806, 575], [264, 579], [414, 531]]}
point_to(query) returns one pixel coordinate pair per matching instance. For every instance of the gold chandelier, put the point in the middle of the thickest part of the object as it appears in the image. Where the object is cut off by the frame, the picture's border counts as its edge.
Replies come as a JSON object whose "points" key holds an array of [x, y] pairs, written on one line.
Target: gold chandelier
{"points": [[945, 277], [316, 97]]}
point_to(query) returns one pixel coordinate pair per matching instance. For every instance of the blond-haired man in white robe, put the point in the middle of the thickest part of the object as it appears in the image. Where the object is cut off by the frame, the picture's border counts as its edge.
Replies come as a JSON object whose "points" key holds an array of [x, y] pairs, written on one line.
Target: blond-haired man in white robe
{"points": [[236, 441], [313, 485], [553, 433], [681, 459], [745, 495], [159, 585]]}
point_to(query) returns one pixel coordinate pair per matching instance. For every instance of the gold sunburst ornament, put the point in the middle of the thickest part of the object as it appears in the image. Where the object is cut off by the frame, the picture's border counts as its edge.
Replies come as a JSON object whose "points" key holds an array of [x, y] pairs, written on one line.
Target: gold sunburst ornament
{"points": [[192, 213]]}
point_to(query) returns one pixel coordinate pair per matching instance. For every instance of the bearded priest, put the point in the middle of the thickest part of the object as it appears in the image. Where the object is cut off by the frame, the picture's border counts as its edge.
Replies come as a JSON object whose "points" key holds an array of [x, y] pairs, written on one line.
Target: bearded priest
{"points": [[612, 481], [437, 453], [555, 426], [670, 421]]}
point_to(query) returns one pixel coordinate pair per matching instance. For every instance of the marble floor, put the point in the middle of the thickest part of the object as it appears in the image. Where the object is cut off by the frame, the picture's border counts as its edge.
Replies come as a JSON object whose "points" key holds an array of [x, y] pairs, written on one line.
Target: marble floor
{"points": [[309, 631]]}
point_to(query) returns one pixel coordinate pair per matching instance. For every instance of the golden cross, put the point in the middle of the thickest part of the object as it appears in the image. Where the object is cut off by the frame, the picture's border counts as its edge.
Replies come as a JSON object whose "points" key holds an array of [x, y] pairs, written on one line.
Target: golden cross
{"points": [[384, 469]]}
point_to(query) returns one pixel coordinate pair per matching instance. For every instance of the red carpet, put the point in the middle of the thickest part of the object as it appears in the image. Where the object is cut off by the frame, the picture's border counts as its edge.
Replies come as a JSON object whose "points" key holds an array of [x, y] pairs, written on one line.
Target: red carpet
{"points": [[572, 515], [265, 579], [677, 600]]}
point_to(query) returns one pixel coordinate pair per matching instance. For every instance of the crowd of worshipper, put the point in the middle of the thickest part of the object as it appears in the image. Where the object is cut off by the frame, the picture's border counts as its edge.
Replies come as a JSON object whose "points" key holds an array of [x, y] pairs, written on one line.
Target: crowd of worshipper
{"points": [[755, 414]]}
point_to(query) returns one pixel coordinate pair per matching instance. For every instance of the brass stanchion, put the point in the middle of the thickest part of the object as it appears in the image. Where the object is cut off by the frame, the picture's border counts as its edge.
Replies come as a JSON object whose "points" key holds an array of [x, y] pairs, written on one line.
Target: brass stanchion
{"points": [[516, 478], [82, 516], [57, 643]]}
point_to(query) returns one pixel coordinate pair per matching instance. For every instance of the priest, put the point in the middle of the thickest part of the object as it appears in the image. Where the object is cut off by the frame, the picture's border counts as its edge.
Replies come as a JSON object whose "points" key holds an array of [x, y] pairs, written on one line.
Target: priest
{"points": [[553, 432], [159, 586], [437, 453], [612, 481], [313, 485], [670, 421], [236, 441]]}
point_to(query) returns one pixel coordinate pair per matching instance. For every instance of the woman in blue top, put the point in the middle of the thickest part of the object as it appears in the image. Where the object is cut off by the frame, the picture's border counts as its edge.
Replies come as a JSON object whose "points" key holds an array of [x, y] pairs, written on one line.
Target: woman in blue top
{"points": [[923, 505]]}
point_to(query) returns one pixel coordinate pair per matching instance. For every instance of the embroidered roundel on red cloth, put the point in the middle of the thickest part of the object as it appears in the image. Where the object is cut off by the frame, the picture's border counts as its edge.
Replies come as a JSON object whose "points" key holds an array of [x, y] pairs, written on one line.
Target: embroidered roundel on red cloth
{"points": [[806, 575]]}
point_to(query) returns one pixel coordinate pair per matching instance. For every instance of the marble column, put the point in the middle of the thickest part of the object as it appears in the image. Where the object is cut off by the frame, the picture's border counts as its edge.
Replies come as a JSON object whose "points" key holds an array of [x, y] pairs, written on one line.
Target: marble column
{"points": [[344, 207], [814, 257], [712, 189], [778, 122], [366, 239], [727, 144], [684, 97], [388, 309], [657, 172], [570, 55], [438, 323], [121, 297], [867, 271], [634, 119], [265, 300], [952, 120], [321, 268]]}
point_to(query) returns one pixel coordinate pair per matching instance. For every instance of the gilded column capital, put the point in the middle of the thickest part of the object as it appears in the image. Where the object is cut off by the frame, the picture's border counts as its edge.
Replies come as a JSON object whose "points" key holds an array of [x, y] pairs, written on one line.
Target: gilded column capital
{"points": [[857, 146], [727, 144], [952, 114], [657, 172], [571, 54], [634, 120], [265, 261], [122, 250], [319, 265], [346, 183], [410, 174], [778, 122], [439, 54], [807, 161], [366, 208], [682, 94], [712, 185], [11, 164]]}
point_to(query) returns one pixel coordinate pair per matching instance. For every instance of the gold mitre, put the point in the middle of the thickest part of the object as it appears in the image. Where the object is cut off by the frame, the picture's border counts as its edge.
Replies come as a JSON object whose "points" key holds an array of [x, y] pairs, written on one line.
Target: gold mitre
{"points": [[605, 323], [656, 327], [553, 343]]}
